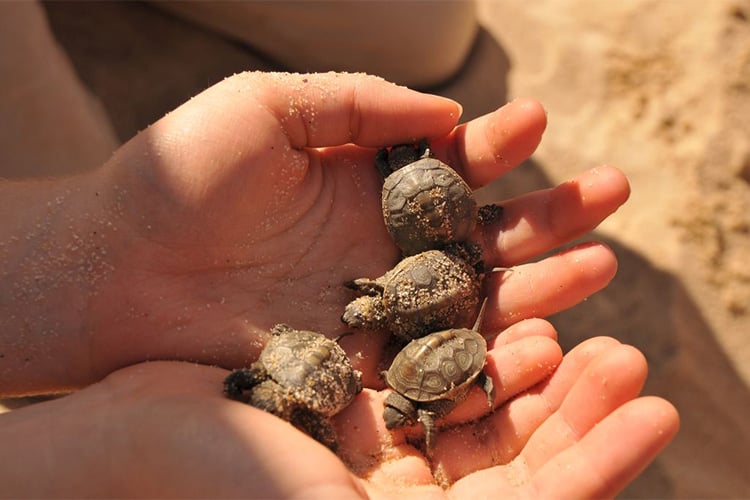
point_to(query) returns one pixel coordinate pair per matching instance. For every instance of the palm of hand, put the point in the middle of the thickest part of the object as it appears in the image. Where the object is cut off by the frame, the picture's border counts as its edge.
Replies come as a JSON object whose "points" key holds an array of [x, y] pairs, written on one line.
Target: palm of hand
{"points": [[275, 209]]}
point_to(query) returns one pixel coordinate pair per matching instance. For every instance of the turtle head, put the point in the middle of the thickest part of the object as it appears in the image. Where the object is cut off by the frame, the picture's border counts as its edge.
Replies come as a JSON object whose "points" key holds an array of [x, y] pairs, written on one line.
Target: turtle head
{"points": [[365, 312], [388, 160], [398, 411]]}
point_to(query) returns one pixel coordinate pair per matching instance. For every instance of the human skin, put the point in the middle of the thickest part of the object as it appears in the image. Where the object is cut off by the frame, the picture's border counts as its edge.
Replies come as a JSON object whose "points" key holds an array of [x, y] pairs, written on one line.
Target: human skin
{"points": [[51, 125], [164, 430], [251, 205], [396, 40]]}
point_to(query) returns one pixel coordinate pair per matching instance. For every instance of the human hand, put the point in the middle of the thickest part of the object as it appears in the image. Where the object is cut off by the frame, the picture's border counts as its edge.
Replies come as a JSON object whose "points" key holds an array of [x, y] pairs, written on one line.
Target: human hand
{"points": [[581, 433], [254, 202], [164, 429]]}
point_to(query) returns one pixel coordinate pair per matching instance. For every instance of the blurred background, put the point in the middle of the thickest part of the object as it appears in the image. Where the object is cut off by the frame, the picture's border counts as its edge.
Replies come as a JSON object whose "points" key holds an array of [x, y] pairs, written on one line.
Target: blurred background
{"points": [[658, 88]]}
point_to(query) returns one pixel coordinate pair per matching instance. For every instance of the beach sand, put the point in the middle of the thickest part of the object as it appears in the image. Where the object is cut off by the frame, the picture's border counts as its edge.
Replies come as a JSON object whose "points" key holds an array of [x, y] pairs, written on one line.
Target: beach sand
{"points": [[660, 89]]}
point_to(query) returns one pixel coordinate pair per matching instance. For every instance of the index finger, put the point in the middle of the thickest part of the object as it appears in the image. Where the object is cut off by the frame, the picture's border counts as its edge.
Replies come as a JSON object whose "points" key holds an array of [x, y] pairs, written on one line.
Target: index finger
{"points": [[485, 148]]}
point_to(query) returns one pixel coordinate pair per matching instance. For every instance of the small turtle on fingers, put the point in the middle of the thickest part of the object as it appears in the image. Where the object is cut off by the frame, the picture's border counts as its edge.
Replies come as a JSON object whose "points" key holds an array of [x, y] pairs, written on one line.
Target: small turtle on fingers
{"points": [[301, 376], [426, 204], [432, 375], [424, 293]]}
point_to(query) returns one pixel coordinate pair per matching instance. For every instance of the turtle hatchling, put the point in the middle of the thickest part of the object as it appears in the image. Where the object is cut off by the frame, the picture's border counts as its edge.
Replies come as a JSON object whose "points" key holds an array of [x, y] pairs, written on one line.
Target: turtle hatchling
{"points": [[432, 375], [301, 376], [426, 204], [424, 293]]}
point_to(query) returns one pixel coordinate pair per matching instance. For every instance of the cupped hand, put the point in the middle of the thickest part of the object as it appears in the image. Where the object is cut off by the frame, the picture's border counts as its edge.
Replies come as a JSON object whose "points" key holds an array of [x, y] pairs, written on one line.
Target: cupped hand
{"points": [[581, 433], [255, 201], [164, 429]]}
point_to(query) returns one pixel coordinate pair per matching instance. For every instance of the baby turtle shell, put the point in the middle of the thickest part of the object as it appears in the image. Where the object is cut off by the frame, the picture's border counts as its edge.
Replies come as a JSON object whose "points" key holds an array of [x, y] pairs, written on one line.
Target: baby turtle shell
{"points": [[426, 204], [432, 375], [430, 291], [301, 376], [439, 365]]}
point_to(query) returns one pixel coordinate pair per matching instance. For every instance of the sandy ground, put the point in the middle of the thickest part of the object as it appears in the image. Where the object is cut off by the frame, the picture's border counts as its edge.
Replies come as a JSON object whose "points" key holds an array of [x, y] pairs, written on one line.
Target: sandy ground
{"points": [[660, 89]]}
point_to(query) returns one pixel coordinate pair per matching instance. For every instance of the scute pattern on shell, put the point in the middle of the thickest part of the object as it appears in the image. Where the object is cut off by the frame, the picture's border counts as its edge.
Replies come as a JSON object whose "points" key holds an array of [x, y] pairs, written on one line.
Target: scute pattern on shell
{"points": [[314, 369], [438, 366], [301, 376], [430, 291], [426, 205]]}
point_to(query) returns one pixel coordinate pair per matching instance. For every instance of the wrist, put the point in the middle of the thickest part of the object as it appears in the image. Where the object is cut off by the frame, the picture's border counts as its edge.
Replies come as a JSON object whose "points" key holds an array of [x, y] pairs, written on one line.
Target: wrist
{"points": [[58, 244]]}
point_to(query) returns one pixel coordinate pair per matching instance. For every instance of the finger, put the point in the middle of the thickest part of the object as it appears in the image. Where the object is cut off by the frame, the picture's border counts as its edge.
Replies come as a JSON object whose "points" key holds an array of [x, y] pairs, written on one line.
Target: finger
{"points": [[611, 454], [538, 222], [548, 286], [487, 147], [531, 327], [513, 367], [614, 378], [521, 356], [500, 437], [556, 388], [607, 458]]}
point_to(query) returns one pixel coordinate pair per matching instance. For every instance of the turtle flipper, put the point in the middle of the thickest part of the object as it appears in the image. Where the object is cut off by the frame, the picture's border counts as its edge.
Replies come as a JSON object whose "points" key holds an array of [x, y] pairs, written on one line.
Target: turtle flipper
{"points": [[427, 418], [488, 386], [242, 380]]}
